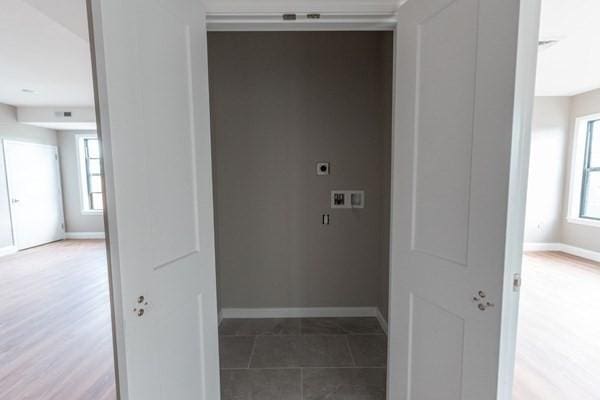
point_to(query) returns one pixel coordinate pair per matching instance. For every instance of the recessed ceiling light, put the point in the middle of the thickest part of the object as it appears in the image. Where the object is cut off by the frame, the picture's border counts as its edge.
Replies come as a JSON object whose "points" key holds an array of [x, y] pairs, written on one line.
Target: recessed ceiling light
{"points": [[30, 91]]}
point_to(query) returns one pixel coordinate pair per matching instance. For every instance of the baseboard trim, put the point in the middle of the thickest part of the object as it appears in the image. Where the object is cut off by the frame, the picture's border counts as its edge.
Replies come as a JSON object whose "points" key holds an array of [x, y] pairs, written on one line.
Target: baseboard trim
{"points": [[8, 250], [382, 321], [541, 246], [84, 235], [299, 312], [565, 248], [579, 252]]}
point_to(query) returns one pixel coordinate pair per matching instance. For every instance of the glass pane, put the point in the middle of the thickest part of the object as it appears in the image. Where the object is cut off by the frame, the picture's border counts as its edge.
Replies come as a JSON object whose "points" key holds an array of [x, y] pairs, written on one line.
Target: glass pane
{"points": [[94, 166], [95, 184], [595, 146], [591, 208], [93, 148], [97, 201]]}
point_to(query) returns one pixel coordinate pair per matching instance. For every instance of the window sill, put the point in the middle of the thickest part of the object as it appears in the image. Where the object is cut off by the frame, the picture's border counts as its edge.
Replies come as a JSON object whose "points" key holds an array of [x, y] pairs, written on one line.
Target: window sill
{"points": [[91, 212], [583, 221]]}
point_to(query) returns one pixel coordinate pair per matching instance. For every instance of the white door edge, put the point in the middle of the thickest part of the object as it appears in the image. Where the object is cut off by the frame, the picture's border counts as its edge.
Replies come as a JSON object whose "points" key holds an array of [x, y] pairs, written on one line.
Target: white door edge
{"points": [[527, 50]]}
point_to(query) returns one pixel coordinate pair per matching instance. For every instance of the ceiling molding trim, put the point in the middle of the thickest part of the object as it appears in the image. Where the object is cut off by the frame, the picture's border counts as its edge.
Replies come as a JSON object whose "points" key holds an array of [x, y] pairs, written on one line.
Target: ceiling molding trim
{"points": [[275, 22], [238, 7]]}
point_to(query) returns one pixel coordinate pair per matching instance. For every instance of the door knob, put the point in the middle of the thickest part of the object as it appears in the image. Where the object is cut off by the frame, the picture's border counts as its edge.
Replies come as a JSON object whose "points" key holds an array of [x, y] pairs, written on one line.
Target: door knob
{"points": [[482, 304], [15, 201], [140, 310]]}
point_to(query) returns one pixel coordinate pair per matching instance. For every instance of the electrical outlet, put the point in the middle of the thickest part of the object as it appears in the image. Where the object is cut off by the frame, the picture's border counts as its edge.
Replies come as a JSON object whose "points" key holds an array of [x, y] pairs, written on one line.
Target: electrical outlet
{"points": [[347, 199], [323, 168]]}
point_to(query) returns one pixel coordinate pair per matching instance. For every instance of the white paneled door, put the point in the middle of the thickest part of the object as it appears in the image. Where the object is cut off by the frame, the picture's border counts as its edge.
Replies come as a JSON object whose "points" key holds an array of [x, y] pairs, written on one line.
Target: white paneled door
{"points": [[152, 97], [35, 193], [456, 75]]}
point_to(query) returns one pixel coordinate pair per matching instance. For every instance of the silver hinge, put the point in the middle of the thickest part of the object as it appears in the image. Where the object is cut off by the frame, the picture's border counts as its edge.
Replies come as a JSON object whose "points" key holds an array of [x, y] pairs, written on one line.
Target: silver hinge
{"points": [[516, 282]]}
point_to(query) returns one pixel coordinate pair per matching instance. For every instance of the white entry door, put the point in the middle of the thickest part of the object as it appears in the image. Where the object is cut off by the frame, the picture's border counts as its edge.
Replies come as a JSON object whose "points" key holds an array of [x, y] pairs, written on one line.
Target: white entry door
{"points": [[152, 97], [35, 193], [456, 74]]}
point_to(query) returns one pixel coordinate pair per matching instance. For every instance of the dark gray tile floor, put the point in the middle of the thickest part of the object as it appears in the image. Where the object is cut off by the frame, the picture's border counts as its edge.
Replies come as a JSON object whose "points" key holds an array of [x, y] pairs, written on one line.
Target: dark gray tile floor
{"points": [[302, 359]]}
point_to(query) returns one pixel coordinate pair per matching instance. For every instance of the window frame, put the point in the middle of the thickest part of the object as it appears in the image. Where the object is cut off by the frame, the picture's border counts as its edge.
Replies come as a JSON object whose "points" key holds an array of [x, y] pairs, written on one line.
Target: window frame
{"points": [[84, 175], [579, 160], [587, 169]]}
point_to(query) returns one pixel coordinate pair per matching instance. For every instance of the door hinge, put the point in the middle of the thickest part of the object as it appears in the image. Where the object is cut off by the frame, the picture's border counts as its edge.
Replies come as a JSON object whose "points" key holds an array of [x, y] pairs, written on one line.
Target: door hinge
{"points": [[516, 282]]}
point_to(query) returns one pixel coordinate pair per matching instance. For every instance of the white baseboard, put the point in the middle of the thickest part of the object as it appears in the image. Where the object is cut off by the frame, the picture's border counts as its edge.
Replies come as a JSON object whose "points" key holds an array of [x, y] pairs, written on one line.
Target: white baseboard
{"points": [[309, 312], [579, 252], [541, 246], [84, 235], [382, 321], [565, 248], [5, 251]]}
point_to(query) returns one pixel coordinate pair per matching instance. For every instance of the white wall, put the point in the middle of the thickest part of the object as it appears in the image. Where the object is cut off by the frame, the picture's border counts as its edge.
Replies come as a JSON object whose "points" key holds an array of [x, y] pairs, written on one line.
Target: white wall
{"points": [[10, 129], [547, 166], [75, 220], [553, 131], [578, 235]]}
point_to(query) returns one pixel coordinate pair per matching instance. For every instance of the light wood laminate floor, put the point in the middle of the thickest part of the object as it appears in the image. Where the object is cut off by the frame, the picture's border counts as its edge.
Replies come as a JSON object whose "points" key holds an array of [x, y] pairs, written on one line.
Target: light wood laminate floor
{"points": [[558, 345], [55, 330]]}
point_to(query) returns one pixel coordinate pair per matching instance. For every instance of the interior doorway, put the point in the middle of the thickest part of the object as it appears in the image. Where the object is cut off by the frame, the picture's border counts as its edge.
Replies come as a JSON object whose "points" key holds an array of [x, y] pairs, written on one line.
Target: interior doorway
{"points": [[302, 274], [35, 193], [56, 338], [558, 353]]}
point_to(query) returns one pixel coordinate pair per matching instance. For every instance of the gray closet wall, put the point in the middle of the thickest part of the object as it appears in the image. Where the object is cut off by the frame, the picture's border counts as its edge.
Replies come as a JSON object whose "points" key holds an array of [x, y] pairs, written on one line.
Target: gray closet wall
{"points": [[324, 96]]}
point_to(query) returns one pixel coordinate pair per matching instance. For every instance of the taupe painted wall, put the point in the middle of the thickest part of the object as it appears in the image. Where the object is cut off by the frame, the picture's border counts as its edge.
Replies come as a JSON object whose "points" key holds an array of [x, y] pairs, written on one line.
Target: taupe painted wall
{"points": [[10, 129], [280, 102], [547, 166], [75, 221]]}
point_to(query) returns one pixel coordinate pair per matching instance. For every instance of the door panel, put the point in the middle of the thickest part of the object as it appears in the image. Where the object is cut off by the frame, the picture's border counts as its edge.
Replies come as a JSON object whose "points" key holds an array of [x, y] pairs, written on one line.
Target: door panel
{"points": [[35, 193], [152, 87], [444, 129], [453, 130]]}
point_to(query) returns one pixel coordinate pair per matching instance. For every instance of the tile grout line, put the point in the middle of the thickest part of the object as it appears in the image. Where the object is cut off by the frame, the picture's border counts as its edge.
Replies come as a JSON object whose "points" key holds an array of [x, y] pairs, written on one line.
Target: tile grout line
{"points": [[291, 368], [252, 352], [350, 350], [301, 383]]}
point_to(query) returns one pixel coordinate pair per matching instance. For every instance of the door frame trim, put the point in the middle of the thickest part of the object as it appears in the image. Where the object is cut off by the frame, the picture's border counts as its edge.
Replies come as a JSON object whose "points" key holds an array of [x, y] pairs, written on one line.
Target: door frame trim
{"points": [[525, 79], [251, 22]]}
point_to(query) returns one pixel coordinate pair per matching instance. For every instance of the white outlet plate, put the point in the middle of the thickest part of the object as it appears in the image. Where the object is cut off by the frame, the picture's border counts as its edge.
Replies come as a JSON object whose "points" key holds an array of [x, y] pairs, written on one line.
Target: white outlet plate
{"points": [[347, 199]]}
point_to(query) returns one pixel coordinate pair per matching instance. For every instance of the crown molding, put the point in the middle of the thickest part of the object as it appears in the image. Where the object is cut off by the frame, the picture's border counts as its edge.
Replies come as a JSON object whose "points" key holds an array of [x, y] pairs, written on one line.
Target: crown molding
{"points": [[238, 7]]}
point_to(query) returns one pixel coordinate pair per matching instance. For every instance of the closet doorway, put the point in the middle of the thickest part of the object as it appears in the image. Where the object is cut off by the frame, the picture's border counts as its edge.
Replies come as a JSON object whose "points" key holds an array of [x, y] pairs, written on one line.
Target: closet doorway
{"points": [[35, 193], [298, 118]]}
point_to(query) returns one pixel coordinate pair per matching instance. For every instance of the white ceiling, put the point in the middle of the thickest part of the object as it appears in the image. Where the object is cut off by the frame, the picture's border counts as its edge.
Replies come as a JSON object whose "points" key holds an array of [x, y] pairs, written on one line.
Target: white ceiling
{"points": [[572, 65], [40, 54], [44, 48]]}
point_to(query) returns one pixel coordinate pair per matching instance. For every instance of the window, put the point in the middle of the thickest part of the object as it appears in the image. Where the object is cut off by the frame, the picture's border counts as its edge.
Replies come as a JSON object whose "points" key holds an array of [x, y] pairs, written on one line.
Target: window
{"points": [[91, 174], [590, 187]]}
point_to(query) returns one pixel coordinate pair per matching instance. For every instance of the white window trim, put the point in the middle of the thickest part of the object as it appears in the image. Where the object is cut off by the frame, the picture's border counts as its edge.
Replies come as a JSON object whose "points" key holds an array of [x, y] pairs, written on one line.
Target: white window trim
{"points": [[84, 200], [575, 181]]}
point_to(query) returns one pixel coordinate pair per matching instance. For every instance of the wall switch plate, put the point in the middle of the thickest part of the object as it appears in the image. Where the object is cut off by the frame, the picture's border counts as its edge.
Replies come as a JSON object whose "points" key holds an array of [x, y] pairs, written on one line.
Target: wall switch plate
{"points": [[322, 168], [347, 199]]}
